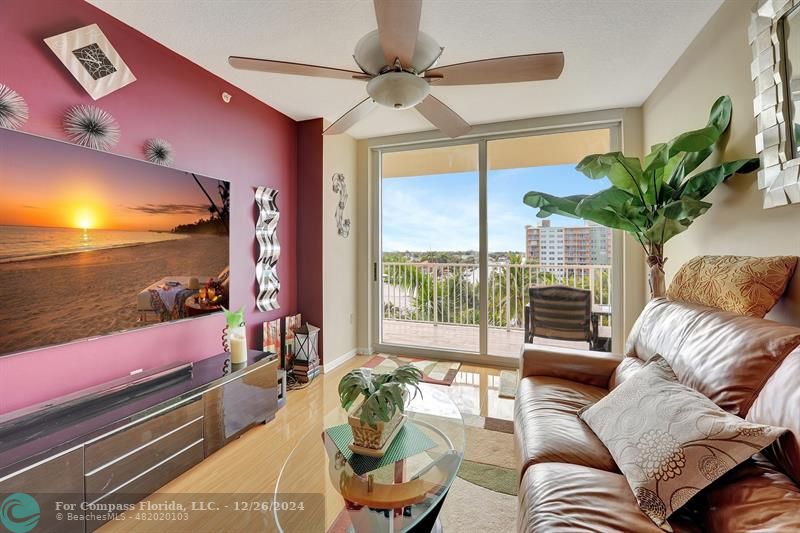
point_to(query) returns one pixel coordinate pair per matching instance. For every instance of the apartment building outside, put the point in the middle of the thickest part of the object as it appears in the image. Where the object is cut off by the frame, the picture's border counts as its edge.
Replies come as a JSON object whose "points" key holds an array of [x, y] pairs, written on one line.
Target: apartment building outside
{"points": [[589, 244]]}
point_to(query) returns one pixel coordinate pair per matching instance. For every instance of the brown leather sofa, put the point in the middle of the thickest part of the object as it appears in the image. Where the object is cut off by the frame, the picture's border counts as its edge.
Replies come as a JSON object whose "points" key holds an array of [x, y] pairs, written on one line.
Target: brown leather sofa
{"points": [[747, 366]]}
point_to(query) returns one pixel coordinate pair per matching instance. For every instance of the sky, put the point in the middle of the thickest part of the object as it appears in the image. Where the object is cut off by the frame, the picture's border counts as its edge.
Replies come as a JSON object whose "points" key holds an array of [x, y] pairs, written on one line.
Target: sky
{"points": [[440, 212], [52, 184]]}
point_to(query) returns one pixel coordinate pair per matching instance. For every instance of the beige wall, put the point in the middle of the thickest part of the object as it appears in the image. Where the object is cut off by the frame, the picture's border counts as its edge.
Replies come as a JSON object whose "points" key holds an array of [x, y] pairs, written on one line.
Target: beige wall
{"points": [[339, 254], [717, 63]]}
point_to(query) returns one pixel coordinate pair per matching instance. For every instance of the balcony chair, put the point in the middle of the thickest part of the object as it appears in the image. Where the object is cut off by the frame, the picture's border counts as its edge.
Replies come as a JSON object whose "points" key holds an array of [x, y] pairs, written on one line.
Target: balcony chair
{"points": [[561, 313]]}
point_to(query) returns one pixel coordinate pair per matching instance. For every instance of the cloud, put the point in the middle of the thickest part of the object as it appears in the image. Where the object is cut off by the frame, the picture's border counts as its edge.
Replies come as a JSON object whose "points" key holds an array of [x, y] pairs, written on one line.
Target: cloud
{"points": [[171, 209], [31, 207]]}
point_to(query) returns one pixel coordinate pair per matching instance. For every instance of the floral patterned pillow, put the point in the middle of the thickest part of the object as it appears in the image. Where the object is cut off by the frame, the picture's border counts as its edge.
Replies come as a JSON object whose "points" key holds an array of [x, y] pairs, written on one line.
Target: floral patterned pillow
{"points": [[744, 285], [669, 440]]}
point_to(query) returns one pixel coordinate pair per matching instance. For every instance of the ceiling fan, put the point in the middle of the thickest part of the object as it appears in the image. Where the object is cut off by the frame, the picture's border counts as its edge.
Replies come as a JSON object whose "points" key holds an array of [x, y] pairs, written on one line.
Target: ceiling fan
{"points": [[397, 62]]}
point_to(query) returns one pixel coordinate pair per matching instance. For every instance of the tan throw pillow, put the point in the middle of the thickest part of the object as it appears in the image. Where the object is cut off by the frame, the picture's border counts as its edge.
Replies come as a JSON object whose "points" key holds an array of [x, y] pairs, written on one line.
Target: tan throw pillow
{"points": [[668, 440], [744, 285]]}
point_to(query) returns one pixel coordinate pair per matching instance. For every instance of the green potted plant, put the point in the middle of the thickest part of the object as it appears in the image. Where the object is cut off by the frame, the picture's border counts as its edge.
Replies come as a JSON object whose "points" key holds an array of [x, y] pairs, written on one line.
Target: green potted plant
{"points": [[654, 199], [379, 414]]}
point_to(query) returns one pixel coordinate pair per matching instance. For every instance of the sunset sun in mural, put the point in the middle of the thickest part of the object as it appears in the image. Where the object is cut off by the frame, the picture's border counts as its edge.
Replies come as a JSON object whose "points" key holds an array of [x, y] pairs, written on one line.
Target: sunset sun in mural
{"points": [[84, 219]]}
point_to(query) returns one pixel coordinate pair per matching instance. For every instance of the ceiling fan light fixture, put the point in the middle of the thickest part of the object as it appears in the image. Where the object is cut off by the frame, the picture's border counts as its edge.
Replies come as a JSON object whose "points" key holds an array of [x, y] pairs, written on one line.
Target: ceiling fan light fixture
{"points": [[368, 54], [426, 53], [398, 90]]}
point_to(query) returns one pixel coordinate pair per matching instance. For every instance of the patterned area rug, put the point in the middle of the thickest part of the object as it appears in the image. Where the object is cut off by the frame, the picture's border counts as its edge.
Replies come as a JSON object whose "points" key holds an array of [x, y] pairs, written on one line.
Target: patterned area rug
{"points": [[437, 372]]}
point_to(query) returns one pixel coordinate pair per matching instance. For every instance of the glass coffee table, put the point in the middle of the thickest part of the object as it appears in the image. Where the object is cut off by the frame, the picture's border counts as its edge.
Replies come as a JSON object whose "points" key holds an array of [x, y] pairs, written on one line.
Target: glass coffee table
{"points": [[319, 491]]}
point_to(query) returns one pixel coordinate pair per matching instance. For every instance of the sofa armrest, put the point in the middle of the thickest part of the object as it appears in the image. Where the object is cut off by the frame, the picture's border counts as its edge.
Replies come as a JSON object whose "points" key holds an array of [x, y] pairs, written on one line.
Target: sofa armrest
{"points": [[584, 366]]}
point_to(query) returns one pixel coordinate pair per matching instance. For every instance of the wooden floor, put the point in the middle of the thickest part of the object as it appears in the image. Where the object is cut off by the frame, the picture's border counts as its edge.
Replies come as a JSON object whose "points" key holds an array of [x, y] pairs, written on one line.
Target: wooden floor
{"points": [[463, 338], [249, 467]]}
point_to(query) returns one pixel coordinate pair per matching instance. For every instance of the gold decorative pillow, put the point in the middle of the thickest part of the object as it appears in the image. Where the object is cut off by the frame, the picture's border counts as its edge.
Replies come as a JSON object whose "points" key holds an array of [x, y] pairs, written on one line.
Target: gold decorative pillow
{"points": [[668, 440], [744, 285]]}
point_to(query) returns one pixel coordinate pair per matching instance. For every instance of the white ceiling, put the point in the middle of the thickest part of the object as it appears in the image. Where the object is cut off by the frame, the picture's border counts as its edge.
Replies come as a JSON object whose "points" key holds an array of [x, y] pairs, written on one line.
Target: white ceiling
{"points": [[616, 51]]}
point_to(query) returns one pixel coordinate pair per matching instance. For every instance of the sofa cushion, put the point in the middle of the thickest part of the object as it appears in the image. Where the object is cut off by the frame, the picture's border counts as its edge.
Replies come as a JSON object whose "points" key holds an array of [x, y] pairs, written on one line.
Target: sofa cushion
{"points": [[778, 404], [547, 428], [726, 357], [558, 497], [743, 285], [753, 497], [628, 367], [670, 441]]}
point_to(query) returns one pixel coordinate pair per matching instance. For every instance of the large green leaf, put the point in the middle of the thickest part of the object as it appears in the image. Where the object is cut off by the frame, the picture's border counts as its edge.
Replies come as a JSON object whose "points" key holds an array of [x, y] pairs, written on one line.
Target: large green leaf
{"points": [[720, 114], [607, 208], [623, 172], [663, 228], [553, 205], [702, 183], [690, 141], [685, 209], [699, 141]]}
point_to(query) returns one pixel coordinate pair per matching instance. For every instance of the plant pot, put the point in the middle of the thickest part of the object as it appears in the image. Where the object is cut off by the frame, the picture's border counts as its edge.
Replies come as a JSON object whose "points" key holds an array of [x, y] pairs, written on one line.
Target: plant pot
{"points": [[367, 438]]}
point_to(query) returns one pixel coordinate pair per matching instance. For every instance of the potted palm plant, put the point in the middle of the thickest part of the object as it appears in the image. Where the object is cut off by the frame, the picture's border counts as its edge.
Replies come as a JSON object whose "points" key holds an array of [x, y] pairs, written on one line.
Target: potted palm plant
{"points": [[655, 199], [379, 414]]}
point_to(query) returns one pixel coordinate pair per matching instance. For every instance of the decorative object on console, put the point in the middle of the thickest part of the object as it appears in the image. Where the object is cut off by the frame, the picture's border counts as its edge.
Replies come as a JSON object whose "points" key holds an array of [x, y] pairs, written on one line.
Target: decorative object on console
{"points": [[340, 187], [743, 285], [379, 415], [670, 441], [267, 264], [774, 37], [272, 338], [158, 151], [290, 326], [234, 336], [306, 357], [92, 127], [92, 60], [13, 108], [657, 201]]}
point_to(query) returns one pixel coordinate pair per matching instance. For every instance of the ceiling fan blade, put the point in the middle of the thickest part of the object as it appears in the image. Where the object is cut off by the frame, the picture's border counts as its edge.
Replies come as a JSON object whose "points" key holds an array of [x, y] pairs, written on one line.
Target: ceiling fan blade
{"points": [[284, 67], [531, 67], [444, 118], [398, 27], [346, 121]]}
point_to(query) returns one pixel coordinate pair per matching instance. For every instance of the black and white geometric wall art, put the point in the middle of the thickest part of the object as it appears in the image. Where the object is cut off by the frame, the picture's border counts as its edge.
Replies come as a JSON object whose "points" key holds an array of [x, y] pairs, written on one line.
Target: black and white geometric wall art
{"points": [[340, 187], [90, 126], [270, 249], [92, 60], [13, 108]]}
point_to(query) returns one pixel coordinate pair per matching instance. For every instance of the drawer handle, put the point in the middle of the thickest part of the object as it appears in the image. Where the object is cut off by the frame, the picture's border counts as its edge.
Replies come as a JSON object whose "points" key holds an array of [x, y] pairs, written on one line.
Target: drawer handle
{"points": [[142, 447], [137, 476]]}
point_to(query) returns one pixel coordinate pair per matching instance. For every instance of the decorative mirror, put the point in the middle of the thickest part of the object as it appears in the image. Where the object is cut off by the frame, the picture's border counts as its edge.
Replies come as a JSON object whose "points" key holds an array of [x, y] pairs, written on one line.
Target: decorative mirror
{"points": [[775, 41]]}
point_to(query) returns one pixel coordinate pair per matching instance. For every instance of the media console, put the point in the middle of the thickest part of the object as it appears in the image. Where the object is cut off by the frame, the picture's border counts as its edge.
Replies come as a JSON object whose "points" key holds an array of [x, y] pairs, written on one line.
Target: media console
{"points": [[118, 444]]}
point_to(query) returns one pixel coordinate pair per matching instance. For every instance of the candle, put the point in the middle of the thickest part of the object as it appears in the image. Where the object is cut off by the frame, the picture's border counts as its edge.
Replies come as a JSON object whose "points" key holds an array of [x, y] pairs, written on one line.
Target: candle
{"points": [[238, 343]]}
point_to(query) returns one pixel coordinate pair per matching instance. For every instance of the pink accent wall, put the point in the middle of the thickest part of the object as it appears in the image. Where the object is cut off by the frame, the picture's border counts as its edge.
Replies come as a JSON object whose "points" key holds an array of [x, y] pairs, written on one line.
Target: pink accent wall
{"points": [[245, 142]]}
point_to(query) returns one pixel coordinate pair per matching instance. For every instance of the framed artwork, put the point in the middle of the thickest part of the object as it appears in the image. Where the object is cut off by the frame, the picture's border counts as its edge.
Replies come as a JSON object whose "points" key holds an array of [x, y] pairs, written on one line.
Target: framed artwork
{"points": [[272, 338], [92, 60]]}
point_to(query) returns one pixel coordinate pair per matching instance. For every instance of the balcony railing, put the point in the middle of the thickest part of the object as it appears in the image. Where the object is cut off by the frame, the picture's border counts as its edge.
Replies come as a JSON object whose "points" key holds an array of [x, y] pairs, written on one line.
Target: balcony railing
{"points": [[448, 293]]}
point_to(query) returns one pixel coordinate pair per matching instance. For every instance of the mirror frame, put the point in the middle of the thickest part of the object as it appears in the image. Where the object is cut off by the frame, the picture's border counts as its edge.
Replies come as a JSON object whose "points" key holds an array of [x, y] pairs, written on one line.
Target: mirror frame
{"points": [[779, 177]]}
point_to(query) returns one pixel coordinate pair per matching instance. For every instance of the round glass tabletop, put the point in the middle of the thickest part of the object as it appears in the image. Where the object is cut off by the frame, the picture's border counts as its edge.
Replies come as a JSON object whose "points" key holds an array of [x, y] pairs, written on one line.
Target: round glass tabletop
{"points": [[325, 488]]}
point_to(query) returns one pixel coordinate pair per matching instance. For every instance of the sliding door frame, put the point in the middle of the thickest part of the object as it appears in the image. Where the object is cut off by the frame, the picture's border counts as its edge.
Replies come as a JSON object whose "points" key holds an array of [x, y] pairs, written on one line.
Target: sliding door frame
{"points": [[481, 139]]}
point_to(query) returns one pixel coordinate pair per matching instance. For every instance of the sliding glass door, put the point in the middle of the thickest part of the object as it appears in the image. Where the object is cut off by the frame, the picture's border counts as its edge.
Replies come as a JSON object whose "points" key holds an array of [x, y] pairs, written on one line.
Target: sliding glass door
{"points": [[429, 248], [458, 250]]}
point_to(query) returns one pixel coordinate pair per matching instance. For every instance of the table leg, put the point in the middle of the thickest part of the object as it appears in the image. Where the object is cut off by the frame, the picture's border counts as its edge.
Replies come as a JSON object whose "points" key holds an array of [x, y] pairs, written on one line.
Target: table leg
{"points": [[431, 522]]}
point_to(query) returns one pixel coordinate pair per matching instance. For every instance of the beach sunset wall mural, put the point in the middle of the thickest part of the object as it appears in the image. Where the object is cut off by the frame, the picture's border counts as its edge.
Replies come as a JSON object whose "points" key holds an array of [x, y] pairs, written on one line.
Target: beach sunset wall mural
{"points": [[92, 243]]}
